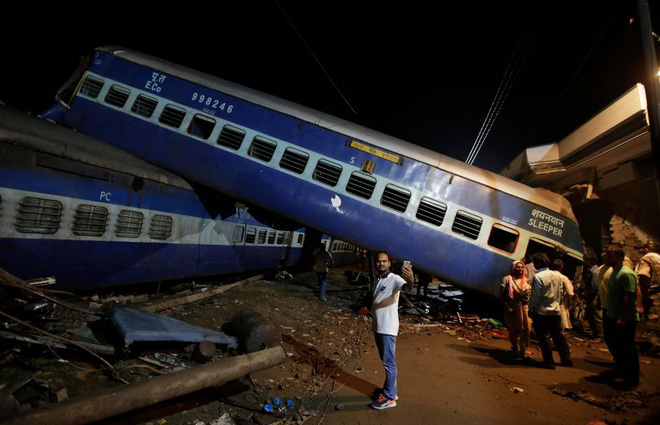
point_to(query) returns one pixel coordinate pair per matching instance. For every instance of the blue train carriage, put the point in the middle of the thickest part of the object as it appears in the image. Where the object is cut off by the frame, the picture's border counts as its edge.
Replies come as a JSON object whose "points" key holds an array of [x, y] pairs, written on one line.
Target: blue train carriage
{"points": [[454, 221], [343, 253], [92, 215]]}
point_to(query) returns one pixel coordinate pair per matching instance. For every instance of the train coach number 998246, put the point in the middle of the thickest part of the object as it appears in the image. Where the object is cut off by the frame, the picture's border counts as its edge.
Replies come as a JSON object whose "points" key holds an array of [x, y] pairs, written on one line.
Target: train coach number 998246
{"points": [[213, 103]]}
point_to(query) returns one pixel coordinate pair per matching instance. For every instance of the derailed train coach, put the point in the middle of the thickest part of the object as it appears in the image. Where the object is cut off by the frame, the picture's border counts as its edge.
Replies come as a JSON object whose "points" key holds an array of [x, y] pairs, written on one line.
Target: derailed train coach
{"points": [[91, 215], [455, 221]]}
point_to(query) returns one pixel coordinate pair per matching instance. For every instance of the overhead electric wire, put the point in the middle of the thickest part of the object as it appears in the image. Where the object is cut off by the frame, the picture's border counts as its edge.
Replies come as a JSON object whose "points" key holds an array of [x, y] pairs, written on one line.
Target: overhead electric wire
{"points": [[510, 75], [315, 58]]}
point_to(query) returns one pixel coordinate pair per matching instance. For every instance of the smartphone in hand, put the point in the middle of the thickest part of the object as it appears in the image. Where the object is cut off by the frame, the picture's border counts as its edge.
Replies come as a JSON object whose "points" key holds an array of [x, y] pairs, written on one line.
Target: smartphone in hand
{"points": [[407, 263]]}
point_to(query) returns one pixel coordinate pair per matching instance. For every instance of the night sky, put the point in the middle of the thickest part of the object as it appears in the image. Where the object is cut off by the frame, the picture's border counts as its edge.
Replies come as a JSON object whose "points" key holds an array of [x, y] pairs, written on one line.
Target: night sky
{"points": [[426, 72]]}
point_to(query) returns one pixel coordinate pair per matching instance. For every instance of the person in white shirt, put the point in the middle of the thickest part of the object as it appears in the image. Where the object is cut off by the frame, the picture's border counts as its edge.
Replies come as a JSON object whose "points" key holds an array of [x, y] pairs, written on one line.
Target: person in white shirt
{"points": [[385, 313], [545, 311]]}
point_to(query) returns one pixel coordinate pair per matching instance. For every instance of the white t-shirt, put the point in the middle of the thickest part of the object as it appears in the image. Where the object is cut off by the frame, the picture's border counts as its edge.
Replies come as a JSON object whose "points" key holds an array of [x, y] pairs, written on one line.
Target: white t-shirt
{"points": [[386, 319]]}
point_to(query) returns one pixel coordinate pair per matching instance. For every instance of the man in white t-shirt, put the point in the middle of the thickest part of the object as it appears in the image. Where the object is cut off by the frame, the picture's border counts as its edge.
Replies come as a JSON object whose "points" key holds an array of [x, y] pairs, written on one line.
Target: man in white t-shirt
{"points": [[385, 313]]}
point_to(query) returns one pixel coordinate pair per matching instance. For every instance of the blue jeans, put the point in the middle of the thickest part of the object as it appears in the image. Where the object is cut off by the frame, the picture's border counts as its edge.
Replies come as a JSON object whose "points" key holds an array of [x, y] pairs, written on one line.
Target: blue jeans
{"points": [[323, 282], [386, 347]]}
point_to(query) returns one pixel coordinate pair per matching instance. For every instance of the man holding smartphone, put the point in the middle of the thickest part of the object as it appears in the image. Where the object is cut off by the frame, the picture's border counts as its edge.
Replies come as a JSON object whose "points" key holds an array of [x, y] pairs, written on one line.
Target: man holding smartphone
{"points": [[385, 313]]}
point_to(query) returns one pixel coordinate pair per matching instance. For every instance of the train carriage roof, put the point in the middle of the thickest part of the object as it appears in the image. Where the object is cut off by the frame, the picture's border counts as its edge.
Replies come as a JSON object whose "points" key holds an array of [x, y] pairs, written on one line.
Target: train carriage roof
{"points": [[542, 197], [21, 129]]}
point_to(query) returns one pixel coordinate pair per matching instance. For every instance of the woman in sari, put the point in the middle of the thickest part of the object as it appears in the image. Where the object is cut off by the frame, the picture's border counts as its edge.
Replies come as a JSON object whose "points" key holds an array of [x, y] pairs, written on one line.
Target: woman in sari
{"points": [[516, 290]]}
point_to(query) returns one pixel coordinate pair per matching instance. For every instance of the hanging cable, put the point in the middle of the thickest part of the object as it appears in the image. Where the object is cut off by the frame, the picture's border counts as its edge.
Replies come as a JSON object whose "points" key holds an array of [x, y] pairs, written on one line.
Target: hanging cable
{"points": [[315, 58], [510, 75]]}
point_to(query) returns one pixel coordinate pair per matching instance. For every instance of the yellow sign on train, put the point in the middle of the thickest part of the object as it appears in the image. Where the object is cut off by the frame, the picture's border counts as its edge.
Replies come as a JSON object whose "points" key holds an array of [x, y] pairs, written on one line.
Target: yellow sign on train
{"points": [[373, 151]]}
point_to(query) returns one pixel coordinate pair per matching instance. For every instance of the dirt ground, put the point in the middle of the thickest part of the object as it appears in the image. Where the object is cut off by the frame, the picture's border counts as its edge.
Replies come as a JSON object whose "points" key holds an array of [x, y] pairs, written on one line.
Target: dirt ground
{"points": [[449, 372]]}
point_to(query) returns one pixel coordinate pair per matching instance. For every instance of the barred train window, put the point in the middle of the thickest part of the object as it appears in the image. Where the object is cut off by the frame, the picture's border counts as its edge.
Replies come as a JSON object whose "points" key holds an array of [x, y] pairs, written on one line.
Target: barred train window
{"points": [[327, 172], [231, 137], [117, 96], [91, 87], [504, 238], [90, 220], [237, 234], [262, 237], [144, 106], [262, 149], [361, 185], [129, 224], [431, 211], [395, 197], [172, 116], [271, 237], [294, 160], [38, 215], [251, 235], [301, 238], [467, 224], [280, 238], [160, 227], [201, 126]]}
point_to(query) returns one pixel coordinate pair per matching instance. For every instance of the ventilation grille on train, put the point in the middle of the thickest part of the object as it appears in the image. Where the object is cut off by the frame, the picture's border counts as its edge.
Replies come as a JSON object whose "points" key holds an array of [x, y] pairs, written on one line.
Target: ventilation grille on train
{"points": [[431, 211], [91, 87], [160, 227], [90, 220], [129, 224], [172, 116], [117, 96], [327, 172], [294, 160], [144, 106], [271, 238], [231, 137], [37, 215], [467, 224], [251, 235], [395, 197], [361, 185], [262, 149], [262, 237]]}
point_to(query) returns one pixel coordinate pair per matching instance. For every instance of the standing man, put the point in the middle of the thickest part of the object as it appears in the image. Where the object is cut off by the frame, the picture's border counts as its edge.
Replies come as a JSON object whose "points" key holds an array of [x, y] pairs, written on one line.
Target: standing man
{"points": [[622, 309], [322, 260], [590, 294], [545, 310], [648, 275], [385, 312]]}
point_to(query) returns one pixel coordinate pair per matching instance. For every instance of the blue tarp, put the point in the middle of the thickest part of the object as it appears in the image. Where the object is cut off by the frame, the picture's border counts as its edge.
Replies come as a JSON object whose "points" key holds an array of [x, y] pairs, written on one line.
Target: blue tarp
{"points": [[139, 325]]}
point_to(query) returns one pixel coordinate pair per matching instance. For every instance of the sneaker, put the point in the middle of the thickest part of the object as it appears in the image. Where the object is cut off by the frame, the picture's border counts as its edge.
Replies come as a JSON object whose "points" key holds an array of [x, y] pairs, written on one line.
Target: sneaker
{"points": [[380, 392], [322, 299], [383, 403]]}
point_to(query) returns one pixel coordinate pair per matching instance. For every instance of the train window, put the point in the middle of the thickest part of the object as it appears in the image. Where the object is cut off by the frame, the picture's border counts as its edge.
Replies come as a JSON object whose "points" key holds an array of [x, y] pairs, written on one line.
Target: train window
{"points": [[129, 224], [172, 116], [90, 220], [301, 238], [91, 87], [144, 106], [395, 197], [231, 137], [262, 237], [201, 126], [262, 149], [271, 237], [237, 235], [38, 215], [361, 184], [117, 96], [431, 211], [160, 227], [280, 238], [467, 224], [504, 238], [327, 172], [294, 160], [251, 235]]}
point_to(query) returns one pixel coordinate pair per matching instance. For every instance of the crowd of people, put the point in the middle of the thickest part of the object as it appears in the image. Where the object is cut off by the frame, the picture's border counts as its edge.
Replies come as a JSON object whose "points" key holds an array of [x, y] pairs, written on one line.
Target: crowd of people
{"points": [[611, 297]]}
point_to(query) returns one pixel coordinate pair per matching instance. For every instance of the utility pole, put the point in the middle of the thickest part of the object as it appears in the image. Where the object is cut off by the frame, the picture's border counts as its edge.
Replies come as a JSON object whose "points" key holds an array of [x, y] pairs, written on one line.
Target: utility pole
{"points": [[652, 83]]}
